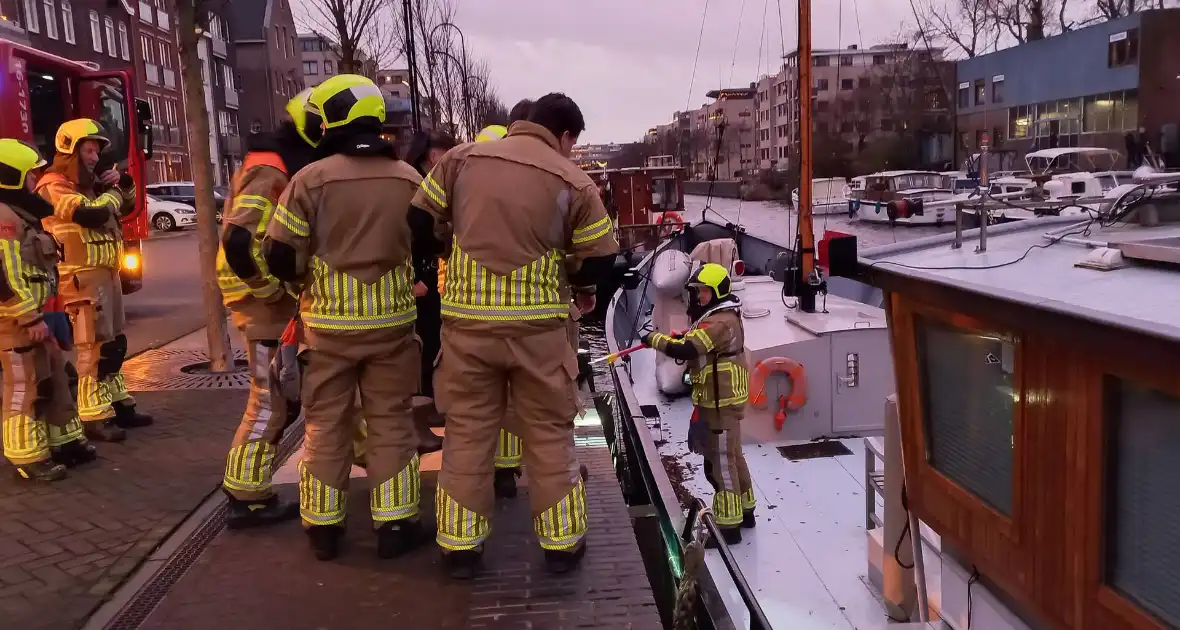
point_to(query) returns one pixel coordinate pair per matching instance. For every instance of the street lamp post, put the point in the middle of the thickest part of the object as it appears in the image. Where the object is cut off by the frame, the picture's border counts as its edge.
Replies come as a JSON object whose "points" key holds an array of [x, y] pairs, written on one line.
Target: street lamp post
{"points": [[462, 68]]}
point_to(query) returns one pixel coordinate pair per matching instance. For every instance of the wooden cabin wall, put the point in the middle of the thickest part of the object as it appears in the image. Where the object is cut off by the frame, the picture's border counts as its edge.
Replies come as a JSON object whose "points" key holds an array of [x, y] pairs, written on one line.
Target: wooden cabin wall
{"points": [[1047, 556]]}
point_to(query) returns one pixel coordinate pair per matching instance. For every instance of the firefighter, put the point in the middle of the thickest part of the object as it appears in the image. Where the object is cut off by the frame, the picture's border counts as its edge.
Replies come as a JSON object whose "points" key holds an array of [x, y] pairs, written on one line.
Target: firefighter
{"points": [[261, 308], [42, 434], [340, 231], [517, 206], [87, 206], [715, 345]]}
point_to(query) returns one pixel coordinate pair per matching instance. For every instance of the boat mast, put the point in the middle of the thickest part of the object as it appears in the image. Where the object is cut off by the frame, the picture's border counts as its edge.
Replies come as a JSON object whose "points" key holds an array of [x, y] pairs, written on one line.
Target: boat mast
{"points": [[804, 289]]}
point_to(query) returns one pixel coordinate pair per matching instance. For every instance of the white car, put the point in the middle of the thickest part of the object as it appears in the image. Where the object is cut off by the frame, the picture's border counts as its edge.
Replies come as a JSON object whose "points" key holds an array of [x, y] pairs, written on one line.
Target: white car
{"points": [[170, 215]]}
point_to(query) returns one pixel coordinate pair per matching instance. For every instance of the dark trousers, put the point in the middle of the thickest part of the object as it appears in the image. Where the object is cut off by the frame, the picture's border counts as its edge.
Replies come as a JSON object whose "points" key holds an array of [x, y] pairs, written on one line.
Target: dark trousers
{"points": [[429, 329]]}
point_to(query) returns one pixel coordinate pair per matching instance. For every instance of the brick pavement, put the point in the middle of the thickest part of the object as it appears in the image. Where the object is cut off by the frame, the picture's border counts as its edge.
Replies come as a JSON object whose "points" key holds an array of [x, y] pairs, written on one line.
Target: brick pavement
{"points": [[65, 547], [268, 579]]}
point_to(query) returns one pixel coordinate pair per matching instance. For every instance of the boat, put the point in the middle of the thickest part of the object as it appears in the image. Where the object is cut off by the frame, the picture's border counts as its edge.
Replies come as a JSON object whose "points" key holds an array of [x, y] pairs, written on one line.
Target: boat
{"points": [[899, 198], [829, 196], [1036, 411]]}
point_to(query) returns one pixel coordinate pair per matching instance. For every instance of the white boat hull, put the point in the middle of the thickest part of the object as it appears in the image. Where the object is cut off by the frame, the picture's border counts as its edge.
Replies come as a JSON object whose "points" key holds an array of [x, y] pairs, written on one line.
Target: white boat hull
{"points": [[875, 212]]}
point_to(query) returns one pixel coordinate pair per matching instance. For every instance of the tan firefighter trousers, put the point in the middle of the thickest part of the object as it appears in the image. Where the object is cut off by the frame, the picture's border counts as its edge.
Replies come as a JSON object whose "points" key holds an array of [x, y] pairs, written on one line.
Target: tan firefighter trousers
{"points": [[472, 384], [249, 466], [725, 465], [382, 364], [509, 447], [93, 298], [39, 411]]}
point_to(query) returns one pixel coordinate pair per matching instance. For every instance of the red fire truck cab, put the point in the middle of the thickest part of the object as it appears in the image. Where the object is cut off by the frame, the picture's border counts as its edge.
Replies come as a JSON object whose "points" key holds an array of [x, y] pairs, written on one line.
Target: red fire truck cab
{"points": [[40, 91]]}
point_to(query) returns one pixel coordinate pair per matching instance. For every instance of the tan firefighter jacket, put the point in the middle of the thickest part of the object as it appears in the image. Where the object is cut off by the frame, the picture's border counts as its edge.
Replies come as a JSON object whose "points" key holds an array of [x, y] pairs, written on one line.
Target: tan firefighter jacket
{"points": [[516, 208], [720, 374], [346, 219], [28, 259], [85, 248], [255, 190]]}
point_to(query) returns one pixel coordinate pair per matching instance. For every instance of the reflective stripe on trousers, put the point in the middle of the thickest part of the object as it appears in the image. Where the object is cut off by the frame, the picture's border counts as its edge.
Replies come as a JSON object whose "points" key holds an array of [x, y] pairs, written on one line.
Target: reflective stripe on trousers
{"points": [[397, 497], [562, 527], [72, 431], [459, 529], [530, 292], [94, 398], [250, 464], [319, 503], [339, 301], [509, 450], [26, 439], [727, 500], [117, 386]]}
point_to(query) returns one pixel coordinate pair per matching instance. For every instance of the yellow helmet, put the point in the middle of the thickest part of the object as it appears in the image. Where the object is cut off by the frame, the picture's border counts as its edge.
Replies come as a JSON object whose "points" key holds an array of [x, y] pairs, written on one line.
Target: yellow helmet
{"points": [[713, 276], [71, 132], [491, 132], [16, 160], [345, 98], [307, 123]]}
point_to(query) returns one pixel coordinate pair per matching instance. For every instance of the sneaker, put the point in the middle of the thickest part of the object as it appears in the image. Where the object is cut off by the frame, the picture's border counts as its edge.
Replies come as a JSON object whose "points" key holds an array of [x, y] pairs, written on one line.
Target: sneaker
{"points": [[397, 537], [748, 520], [126, 417], [103, 431], [246, 514], [325, 541], [44, 471], [504, 483], [564, 561], [74, 453], [462, 565]]}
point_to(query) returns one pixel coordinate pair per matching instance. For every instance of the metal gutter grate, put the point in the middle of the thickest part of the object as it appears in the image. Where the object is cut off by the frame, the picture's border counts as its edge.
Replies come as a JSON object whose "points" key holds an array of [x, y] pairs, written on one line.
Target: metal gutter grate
{"points": [[165, 370]]}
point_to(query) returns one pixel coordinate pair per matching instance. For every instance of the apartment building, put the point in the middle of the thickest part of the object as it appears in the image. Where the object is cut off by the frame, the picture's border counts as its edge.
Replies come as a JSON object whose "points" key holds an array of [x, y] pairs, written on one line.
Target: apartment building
{"points": [[719, 137], [321, 60], [158, 77], [222, 99], [269, 61]]}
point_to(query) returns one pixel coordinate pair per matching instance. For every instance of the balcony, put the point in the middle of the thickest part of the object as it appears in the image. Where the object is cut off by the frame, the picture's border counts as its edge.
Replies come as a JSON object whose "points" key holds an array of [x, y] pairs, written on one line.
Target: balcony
{"points": [[145, 12], [173, 137], [231, 97], [163, 20], [169, 78], [219, 47], [151, 74], [231, 144]]}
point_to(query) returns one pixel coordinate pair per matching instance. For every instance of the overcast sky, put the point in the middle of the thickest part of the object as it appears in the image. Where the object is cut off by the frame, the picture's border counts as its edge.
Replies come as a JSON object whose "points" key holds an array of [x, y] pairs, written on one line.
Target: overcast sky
{"points": [[628, 63]]}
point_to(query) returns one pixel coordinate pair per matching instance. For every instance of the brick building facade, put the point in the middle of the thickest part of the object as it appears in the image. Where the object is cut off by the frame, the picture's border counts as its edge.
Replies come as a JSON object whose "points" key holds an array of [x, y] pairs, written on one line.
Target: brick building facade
{"points": [[269, 61]]}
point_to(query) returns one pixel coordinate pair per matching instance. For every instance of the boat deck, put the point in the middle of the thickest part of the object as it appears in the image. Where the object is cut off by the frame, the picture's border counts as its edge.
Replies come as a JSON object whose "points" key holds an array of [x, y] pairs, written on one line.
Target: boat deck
{"points": [[807, 559]]}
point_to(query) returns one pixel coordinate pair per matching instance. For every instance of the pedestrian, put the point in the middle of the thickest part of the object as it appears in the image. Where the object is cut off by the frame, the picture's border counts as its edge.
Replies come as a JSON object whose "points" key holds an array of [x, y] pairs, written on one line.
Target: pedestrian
{"points": [[88, 200], [340, 232], [715, 347], [517, 206], [261, 308], [42, 434]]}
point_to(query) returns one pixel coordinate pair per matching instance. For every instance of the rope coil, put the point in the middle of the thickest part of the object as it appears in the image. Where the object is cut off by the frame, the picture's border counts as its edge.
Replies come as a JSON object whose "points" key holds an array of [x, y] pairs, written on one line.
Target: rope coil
{"points": [[684, 615]]}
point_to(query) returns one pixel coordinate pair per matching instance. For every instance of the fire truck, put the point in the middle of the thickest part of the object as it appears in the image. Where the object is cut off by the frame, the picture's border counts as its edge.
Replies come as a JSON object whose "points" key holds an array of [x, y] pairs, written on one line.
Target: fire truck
{"points": [[40, 91]]}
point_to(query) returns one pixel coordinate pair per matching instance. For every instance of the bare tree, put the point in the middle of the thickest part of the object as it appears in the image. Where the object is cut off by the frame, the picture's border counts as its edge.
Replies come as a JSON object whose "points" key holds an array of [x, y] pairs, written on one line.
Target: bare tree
{"points": [[192, 20], [361, 30], [964, 26], [1026, 20], [1104, 10]]}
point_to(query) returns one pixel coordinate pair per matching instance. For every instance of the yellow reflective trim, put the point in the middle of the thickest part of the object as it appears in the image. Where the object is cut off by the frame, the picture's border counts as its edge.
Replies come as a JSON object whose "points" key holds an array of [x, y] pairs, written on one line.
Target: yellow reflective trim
{"points": [[249, 466], [341, 302], [397, 498], [459, 529], [592, 232], [509, 450], [434, 191], [294, 224], [319, 503], [562, 526]]}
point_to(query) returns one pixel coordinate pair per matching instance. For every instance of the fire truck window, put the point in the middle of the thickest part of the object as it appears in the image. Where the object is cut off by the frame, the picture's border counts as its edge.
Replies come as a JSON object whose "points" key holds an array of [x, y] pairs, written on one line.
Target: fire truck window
{"points": [[45, 98], [113, 118]]}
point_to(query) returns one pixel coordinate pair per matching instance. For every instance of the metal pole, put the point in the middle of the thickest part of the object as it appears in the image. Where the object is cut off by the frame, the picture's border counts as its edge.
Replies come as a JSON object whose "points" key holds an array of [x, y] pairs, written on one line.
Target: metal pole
{"points": [[469, 119], [411, 62]]}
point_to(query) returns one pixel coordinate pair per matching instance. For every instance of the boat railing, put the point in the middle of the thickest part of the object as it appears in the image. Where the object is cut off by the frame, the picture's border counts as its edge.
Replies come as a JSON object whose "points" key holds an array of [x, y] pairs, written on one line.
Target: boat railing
{"points": [[874, 481], [699, 514]]}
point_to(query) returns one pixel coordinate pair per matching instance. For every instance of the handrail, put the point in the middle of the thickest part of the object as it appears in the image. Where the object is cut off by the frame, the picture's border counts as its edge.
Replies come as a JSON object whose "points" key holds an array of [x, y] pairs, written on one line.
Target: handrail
{"points": [[696, 511]]}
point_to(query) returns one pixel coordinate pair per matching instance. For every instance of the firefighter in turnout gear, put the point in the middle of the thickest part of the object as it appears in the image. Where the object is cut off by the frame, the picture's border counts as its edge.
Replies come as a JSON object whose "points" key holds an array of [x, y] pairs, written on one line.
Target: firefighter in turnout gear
{"points": [[340, 231], [261, 309], [517, 207], [88, 202], [715, 347], [41, 431]]}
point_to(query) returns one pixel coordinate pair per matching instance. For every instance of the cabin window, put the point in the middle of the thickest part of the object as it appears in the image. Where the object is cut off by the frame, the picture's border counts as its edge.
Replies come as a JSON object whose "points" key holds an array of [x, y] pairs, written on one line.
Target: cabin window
{"points": [[1142, 504], [969, 393], [964, 95], [980, 91], [997, 90], [1122, 49]]}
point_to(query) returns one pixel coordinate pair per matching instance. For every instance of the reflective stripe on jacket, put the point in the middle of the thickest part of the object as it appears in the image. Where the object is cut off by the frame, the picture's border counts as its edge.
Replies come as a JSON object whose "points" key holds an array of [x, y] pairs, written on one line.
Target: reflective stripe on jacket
{"points": [[720, 376], [28, 256], [83, 248], [256, 188]]}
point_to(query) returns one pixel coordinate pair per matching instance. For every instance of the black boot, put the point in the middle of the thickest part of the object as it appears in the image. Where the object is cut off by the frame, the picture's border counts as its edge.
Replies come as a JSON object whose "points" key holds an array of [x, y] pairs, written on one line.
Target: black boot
{"points": [[564, 561], [103, 431], [44, 471], [127, 417], [245, 514], [504, 483], [428, 442], [732, 536], [397, 537], [462, 565], [325, 540], [74, 453], [748, 520]]}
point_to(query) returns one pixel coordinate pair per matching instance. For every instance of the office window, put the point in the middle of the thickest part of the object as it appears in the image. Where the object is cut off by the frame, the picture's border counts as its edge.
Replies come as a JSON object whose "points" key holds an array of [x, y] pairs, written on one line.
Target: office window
{"points": [[32, 20], [980, 91], [50, 19], [821, 85], [970, 438], [820, 62], [1123, 49], [108, 26], [878, 60], [95, 31], [124, 42], [147, 50], [67, 22], [998, 90], [311, 67], [964, 95], [846, 84], [165, 55], [846, 60], [1142, 443], [329, 67]]}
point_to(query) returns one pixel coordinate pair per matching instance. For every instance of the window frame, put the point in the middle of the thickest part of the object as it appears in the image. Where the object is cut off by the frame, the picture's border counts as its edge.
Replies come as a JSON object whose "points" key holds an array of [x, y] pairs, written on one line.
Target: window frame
{"points": [[50, 9], [95, 31], [124, 41], [32, 15], [108, 29], [69, 33], [1122, 49]]}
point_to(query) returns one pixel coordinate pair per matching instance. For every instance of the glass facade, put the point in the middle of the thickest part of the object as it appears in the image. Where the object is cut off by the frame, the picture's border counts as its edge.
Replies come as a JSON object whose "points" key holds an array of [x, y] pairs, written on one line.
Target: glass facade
{"points": [[1067, 119]]}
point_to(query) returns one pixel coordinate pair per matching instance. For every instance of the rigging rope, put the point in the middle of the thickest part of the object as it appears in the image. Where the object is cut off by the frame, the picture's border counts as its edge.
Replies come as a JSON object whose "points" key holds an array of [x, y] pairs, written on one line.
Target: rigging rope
{"points": [[684, 615], [736, 39]]}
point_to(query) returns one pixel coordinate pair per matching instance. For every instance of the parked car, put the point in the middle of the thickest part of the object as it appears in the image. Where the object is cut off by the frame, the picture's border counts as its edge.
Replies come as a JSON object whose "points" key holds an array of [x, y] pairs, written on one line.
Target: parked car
{"points": [[170, 215], [185, 192]]}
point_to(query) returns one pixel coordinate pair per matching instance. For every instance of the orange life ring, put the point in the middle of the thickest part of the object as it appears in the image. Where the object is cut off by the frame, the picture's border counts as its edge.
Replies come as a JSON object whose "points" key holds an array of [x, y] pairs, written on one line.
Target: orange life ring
{"points": [[794, 371], [668, 221]]}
